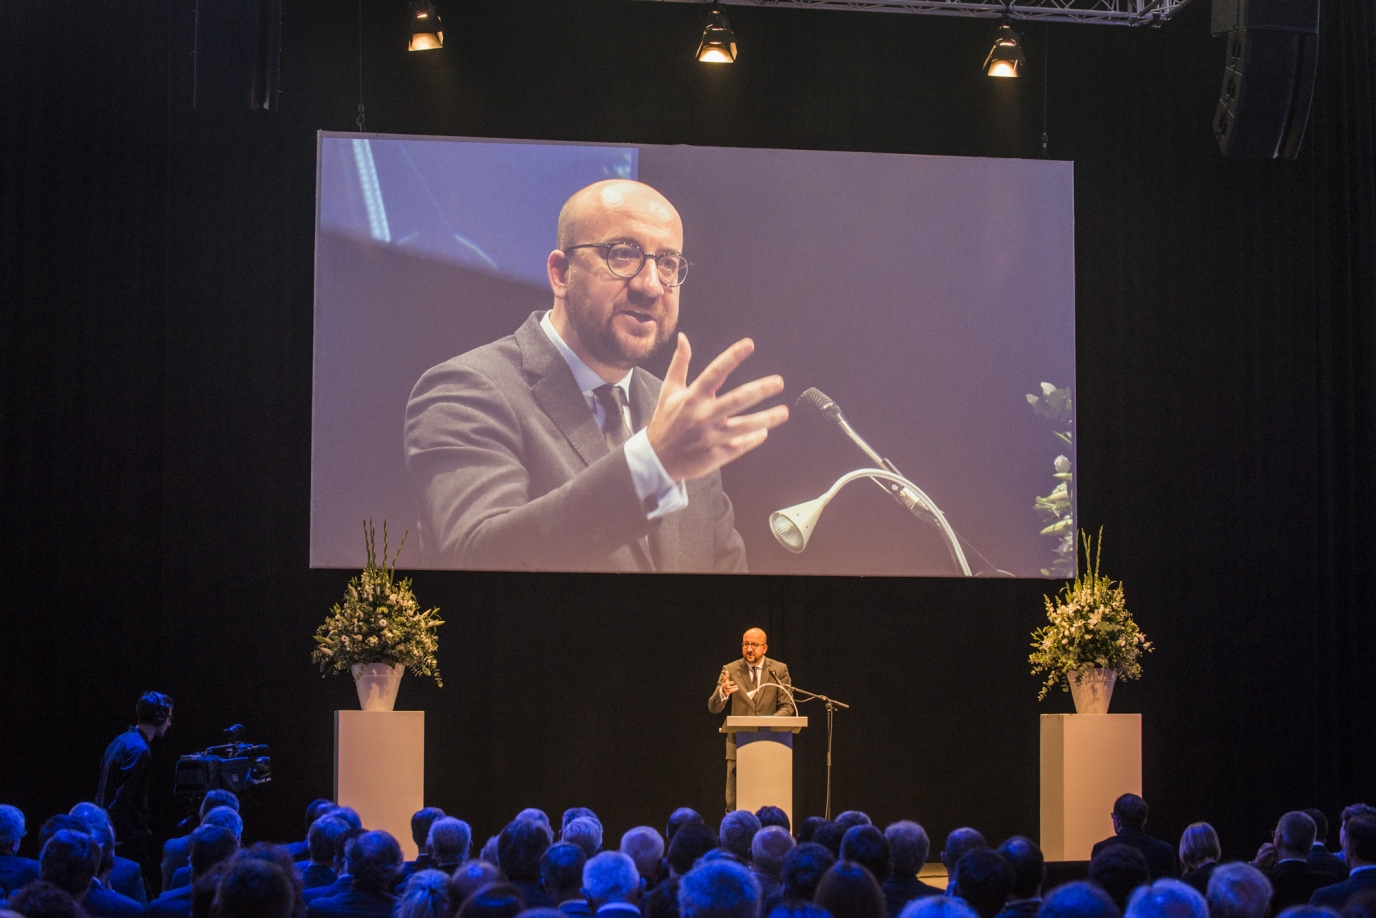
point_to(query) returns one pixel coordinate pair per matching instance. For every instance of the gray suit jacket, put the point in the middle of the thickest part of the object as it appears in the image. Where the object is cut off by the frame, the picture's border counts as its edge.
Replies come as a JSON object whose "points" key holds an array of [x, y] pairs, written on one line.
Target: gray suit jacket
{"points": [[767, 701], [514, 474]]}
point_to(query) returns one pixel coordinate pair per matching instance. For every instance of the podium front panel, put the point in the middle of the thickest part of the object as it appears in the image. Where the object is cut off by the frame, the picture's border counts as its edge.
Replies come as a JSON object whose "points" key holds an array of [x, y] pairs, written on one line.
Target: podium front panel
{"points": [[764, 771], [379, 769]]}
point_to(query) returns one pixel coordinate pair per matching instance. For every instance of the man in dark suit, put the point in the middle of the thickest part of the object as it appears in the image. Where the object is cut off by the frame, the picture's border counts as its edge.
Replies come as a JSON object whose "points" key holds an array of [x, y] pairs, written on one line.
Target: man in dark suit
{"points": [[301, 850], [1129, 826], [15, 871], [373, 861], [755, 686], [551, 449], [1283, 860], [176, 852], [561, 878], [768, 849], [421, 821], [325, 839], [1029, 873], [908, 850], [210, 845], [520, 846], [1359, 844], [1320, 858]]}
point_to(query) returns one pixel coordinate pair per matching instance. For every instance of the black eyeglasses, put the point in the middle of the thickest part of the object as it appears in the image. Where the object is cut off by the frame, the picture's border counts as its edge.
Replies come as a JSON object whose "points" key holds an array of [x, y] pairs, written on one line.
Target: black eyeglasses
{"points": [[626, 259]]}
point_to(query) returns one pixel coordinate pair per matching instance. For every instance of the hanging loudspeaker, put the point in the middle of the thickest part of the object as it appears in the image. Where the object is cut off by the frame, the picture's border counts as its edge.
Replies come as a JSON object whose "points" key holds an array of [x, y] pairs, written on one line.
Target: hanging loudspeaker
{"points": [[1268, 76]]}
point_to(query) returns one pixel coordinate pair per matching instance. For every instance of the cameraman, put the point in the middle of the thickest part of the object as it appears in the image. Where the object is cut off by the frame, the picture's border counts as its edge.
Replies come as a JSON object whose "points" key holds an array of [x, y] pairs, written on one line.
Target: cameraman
{"points": [[124, 777]]}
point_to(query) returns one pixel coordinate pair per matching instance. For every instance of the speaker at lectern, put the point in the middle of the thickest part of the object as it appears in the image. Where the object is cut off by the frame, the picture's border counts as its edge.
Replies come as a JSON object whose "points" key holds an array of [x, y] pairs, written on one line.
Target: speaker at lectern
{"points": [[764, 761]]}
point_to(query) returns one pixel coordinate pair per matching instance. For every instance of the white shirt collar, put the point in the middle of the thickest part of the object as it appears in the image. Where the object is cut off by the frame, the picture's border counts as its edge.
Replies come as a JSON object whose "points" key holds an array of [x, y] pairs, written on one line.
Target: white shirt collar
{"points": [[585, 376]]}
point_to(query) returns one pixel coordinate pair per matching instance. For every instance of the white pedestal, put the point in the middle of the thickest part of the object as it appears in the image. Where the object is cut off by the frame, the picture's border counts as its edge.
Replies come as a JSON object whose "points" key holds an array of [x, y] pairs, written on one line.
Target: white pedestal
{"points": [[379, 769], [1088, 761]]}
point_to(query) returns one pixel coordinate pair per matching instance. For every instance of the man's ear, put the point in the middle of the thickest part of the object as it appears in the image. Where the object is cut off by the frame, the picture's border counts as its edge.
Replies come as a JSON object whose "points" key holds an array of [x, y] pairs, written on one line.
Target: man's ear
{"points": [[557, 267]]}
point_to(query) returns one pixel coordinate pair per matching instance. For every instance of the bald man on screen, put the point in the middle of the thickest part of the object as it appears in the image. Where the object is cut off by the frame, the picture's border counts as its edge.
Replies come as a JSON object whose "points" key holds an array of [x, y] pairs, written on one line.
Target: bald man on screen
{"points": [[751, 686], [551, 449]]}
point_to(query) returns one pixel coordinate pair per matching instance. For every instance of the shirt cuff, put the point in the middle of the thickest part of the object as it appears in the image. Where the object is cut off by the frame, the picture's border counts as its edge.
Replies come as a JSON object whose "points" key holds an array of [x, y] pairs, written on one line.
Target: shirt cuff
{"points": [[659, 494]]}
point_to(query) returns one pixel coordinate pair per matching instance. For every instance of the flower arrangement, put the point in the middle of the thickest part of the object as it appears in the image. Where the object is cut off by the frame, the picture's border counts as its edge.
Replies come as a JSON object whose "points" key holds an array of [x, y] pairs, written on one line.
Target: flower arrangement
{"points": [[379, 620], [1089, 626]]}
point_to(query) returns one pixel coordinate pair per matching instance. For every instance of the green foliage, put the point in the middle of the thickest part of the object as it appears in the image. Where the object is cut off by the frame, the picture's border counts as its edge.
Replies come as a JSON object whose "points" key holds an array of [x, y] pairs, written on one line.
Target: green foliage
{"points": [[379, 620], [1089, 626]]}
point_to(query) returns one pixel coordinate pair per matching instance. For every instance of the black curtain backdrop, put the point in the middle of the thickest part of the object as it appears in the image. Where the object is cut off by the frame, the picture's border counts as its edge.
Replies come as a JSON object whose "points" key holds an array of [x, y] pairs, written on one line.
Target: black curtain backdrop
{"points": [[155, 443]]}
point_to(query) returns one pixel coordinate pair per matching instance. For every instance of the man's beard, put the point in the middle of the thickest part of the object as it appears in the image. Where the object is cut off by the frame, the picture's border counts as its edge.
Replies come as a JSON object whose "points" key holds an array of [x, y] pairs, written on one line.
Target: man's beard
{"points": [[601, 340]]}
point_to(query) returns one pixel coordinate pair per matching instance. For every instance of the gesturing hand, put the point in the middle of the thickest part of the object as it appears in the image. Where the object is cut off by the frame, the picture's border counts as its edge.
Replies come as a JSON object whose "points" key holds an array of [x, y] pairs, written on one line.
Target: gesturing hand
{"points": [[694, 431], [727, 688]]}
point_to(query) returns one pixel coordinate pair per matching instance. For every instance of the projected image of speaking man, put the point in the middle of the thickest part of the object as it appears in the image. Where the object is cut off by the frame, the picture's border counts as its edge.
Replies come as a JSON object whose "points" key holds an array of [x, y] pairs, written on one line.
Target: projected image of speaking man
{"points": [[551, 449]]}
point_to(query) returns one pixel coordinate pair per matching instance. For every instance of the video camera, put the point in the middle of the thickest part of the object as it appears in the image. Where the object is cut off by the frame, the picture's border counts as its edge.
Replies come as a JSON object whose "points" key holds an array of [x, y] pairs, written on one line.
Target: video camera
{"points": [[234, 767]]}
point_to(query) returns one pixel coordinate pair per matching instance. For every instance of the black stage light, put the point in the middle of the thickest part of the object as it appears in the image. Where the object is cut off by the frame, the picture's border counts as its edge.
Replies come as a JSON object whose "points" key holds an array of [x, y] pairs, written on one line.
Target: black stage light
{"points": [[718, 44], [1006, 56], [427, 33]]}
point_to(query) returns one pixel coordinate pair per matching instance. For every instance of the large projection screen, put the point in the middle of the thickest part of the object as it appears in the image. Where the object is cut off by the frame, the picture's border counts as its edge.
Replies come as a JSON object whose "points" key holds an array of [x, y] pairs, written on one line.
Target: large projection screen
{"points": [[932, 298]]}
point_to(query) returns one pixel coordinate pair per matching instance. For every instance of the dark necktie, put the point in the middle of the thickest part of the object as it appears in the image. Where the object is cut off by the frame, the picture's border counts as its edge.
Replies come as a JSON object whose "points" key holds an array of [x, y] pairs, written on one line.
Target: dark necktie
{"points": [[616, 428]]}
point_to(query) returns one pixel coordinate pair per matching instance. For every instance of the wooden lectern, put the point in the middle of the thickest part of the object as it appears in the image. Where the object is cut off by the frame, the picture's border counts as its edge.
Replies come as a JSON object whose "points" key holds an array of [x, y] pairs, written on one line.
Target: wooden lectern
{"points": [[764, 761]]}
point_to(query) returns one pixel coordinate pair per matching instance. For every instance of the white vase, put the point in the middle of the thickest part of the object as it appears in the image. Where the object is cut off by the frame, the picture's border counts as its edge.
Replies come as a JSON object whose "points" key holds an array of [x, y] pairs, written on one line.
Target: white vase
{"points": [[377, 685], [1092, 690]]}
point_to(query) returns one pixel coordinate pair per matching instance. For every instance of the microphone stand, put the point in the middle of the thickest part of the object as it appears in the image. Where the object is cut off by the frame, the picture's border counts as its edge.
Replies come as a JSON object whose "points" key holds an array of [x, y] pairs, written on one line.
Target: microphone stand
{"points": [[831, 704]]}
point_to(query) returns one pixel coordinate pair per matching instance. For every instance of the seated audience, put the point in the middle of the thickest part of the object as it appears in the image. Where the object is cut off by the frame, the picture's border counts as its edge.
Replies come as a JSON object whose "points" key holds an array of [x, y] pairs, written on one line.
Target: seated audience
{"points": [[68, 861], [519, 849], [662, 901], [1118, 870], [984, 880], [829, 836], [1284, 860], [768, 849], [804, 868], [210, 845], [938, 907], [342, 881], [1077, 900], [223, 816], [867, 846], [561, 878], [576, 812], [957, 844], [15, 871], [645, 846], [38, 899], [773, 816], [850, 819], [612, 885], [718, 889], [1199, 855], [1129, 828], [121, 874], [1167, 899], [300, 850], [489, 852], [176, 852], [421, 821], [1359, 846], [848, 890], [691, 842], [373, 861], [585, 832], [206, 886], [1238, 891], [678, 819], [256, 888], [497, 900], [426, 896], [908, 850], [809, 828], [538, 816], [280, 857], [448, 843], [1320, 858], [1361, 906], [737, 831], [102, 901], [324, 839], [1025, 859], [349, 815], [468, 879]]}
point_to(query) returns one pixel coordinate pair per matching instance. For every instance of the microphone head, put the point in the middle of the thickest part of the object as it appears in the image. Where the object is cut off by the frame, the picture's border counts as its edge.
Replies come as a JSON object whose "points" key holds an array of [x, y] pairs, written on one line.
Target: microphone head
{"points": [[817, 399]]}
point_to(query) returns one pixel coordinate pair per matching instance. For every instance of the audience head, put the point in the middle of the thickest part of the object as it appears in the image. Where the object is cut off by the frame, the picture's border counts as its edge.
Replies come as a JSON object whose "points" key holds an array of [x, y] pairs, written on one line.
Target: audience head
{"points": [[374, 859], [585, 832], [1129, 812], [519, 848], [867, 846], [773, 816], [69, 861], [1239, 891], [737, 831], [315, 809], [495, 900], [1118, 870], [719, 889], [829, 836], [1359, 840], [848, 890], [44, 900], [984, 880], [561, 871], [804, 868], [104, 837], [11, 829], [468, 879], [426, 895], [1199, 845], [610, 877], [1320, 824], [908, 847], [1295, 834], [275, 854], [226, 818], [851, 818], [577, 812], [489, 852], [680, 818], [662, 900], [536, 815], [255, 888], [1167, 899], [938, 907], [90, 815], [959, 842], [768, 849], [809, 827], [54, 824], [1025, 859], [154, 709], [421, 821], [349, 815], [341, 850], [691, 842], [448, 841], [325, 837], [645, 846], [1357, 809], [204, 888], [1078, 900], [214, 798]]}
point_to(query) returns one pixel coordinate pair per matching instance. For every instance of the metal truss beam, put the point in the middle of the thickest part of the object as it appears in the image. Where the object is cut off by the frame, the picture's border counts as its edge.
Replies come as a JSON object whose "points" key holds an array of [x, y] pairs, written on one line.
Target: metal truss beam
{"points": [[1097, 12]]}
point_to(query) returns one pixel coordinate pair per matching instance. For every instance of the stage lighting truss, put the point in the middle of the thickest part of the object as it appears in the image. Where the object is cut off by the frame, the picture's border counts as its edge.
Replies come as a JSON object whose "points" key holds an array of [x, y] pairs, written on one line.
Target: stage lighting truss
{"points": [[1099, 12]]}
